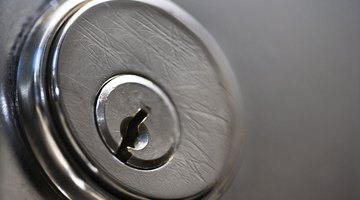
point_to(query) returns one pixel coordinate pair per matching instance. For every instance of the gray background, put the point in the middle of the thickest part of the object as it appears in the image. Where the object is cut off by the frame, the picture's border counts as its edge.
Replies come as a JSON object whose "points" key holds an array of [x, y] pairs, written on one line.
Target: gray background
{"points": [[298, 65], [297, 62]]}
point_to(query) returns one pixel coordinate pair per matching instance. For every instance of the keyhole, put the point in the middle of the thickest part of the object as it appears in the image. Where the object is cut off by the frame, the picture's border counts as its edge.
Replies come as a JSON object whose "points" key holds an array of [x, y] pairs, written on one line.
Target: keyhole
{"points": [[135, 135]]}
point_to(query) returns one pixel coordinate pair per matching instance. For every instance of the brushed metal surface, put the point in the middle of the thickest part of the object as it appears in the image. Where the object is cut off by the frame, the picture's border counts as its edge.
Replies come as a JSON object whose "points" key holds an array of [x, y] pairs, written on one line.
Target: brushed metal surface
{"points": [[159, 41]]}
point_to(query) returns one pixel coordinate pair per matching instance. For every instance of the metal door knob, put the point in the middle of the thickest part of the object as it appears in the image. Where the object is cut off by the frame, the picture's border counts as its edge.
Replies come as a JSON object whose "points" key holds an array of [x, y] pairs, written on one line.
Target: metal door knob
{"points": [[128, 99]]}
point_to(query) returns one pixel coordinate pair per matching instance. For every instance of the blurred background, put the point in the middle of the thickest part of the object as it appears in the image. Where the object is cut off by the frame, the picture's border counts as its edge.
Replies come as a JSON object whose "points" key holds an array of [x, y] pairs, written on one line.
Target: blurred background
{"points": [[298, 66]]}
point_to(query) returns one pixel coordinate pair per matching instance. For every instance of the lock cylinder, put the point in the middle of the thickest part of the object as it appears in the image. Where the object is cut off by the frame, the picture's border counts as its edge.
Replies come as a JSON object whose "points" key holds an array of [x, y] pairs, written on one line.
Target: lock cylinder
{"points": [[137, 121], [124, 99]]}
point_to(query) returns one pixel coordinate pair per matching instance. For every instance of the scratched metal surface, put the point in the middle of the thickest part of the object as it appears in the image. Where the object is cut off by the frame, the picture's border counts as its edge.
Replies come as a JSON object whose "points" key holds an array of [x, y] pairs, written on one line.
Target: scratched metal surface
{"points": [[115, 38], [297, 63]]}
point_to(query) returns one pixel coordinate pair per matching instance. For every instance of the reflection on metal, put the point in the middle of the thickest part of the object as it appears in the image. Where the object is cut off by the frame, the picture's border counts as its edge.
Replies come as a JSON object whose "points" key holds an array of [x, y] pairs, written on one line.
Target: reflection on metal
{"points": [[78, 45]]}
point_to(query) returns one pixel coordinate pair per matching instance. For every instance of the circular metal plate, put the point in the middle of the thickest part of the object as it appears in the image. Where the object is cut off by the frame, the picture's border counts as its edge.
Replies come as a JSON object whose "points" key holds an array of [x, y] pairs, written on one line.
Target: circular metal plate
{"points": [[94, 41]]}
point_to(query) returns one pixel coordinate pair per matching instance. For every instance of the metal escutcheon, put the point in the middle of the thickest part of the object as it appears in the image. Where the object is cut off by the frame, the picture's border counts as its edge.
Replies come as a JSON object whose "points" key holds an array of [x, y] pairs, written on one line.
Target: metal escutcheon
{"points": [[128, 99]]}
